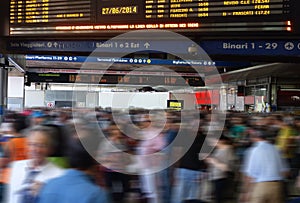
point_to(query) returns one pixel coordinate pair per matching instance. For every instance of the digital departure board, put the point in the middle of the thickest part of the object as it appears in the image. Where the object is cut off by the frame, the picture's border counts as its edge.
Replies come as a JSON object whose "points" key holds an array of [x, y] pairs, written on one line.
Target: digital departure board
{"points": [[115, 79], [49, 11], [35, 17]]}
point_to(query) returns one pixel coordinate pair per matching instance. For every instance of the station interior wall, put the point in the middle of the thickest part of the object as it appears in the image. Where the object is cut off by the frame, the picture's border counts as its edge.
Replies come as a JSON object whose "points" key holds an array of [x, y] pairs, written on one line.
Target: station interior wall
{"points": [[20, 96]]}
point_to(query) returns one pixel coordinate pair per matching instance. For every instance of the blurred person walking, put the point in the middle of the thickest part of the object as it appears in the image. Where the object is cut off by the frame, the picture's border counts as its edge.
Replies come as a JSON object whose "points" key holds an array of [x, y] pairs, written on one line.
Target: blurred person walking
{"points": [[189, 168], [264, 171], [13, 144], [28, 176], [112, 154], [238, 132], [285, 139], [221, 167], [150, 158], [78, 183], [166, 175]]}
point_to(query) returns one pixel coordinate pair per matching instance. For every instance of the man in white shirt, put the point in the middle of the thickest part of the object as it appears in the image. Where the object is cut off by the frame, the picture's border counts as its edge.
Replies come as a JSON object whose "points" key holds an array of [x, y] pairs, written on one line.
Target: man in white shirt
{"points": [[264, 171], [27, 176]]}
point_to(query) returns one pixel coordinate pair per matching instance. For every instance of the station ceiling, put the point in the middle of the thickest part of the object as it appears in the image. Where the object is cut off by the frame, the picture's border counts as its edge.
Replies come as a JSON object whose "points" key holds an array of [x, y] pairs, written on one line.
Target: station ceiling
{"points": [[283, 72]]}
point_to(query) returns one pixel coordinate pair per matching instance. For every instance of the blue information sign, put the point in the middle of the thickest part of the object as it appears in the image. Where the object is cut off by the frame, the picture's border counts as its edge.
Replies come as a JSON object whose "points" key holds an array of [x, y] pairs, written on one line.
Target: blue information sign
{"points": [[143, 61], [211, 47], [253, 47]]}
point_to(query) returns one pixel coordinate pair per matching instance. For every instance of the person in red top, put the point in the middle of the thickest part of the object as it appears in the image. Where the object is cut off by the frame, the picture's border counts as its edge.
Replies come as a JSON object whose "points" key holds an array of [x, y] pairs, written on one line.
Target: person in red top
{"points": [[13, 146], [16, 145]]}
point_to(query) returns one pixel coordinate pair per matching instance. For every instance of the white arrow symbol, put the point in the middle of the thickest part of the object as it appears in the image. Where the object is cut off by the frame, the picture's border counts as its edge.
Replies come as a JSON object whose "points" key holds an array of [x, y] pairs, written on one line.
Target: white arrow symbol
{"points": [[147, 45]]}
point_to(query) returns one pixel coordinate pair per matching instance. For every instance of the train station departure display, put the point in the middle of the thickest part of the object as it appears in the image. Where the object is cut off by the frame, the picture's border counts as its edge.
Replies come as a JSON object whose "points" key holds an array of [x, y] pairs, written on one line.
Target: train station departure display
{"points": [[115, 79], [92, 16]]}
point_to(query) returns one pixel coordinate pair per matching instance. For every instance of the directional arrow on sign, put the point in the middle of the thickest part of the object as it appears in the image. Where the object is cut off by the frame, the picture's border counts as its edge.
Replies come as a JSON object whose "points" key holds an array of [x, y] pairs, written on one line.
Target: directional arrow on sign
{"points": [[147, 45]]}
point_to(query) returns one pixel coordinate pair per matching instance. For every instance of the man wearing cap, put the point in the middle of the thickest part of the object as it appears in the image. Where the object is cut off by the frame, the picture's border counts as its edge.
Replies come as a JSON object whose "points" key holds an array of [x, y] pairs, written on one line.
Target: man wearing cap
{"points": [[264, 171]]}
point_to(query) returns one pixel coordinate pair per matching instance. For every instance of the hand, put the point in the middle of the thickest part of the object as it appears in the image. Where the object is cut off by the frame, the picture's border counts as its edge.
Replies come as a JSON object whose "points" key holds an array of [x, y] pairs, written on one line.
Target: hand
{"points": [[35, 188], [244, 197], [210, 160]]}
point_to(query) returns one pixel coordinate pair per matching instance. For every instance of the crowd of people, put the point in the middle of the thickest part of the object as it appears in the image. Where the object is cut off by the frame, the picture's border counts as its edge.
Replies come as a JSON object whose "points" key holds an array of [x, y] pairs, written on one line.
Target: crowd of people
{"points": [[155, 156]]}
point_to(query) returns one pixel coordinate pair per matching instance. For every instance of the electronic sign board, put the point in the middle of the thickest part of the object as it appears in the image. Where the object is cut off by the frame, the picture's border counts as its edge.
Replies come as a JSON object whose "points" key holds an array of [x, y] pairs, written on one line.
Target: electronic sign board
{"points": [[36, 17], [120, 79], [175, 104]]}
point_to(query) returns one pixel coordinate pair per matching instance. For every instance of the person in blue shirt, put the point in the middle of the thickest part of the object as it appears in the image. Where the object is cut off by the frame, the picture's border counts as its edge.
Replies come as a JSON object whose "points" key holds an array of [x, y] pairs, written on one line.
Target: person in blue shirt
{"points": [[77, 185]]}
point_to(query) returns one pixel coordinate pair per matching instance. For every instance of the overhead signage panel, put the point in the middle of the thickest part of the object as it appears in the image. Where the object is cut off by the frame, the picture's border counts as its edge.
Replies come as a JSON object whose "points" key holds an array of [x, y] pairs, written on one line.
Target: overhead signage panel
{"points": [[253, 47], [211, 47], [128, 79], [110, 46], [44, 17], [142, 61]]}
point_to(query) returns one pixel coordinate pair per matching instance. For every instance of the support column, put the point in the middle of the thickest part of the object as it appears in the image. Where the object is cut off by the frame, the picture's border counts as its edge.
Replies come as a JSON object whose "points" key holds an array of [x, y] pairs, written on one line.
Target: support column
{"points": [[3, 91]]}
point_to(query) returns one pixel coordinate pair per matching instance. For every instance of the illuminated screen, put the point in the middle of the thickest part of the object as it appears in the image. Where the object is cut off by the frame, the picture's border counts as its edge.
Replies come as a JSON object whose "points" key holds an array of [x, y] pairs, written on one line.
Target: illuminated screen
{"points": [[31, 17], [114, 79], [175, 104]]}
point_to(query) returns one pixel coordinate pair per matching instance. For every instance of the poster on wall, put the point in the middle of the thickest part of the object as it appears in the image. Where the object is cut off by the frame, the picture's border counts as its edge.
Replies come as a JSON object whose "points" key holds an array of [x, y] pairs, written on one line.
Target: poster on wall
{"points": [[230, 99], [259, 104], [240, 103]]}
